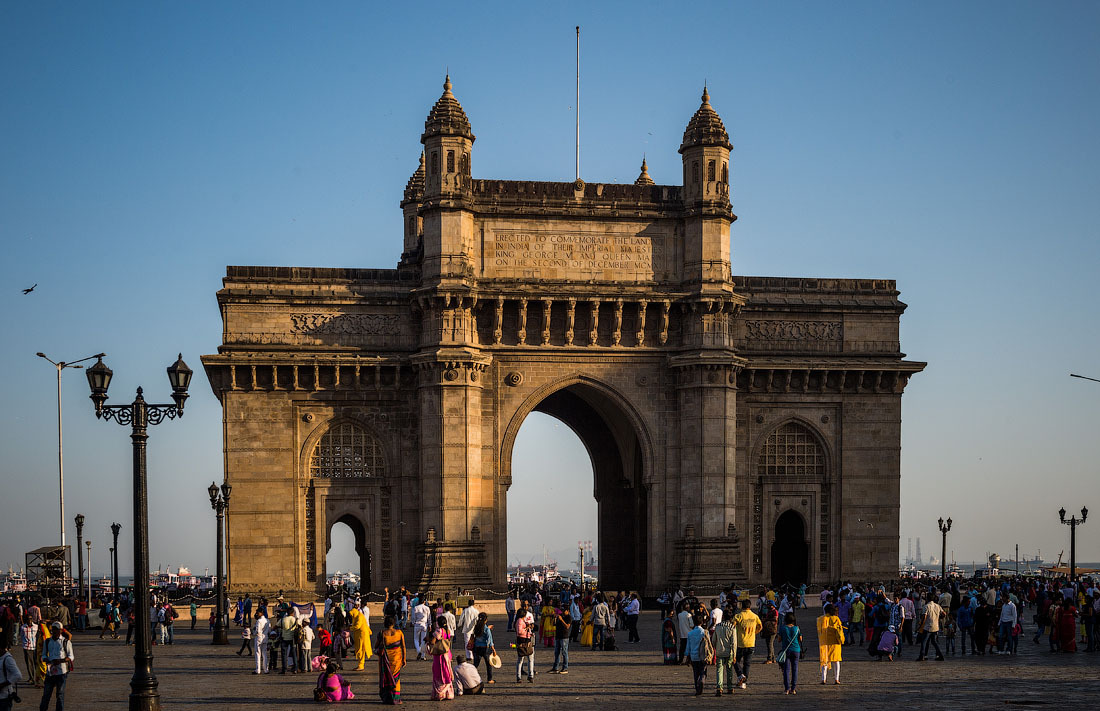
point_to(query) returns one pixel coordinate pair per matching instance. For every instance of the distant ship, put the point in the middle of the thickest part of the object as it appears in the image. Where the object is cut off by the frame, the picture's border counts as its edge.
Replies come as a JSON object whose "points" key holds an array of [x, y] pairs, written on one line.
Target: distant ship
{"points": [[13, 582]]}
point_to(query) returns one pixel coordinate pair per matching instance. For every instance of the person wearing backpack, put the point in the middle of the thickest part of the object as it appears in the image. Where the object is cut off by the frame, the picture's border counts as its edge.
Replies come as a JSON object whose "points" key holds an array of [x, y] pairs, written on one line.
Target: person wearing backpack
{"points": [[10, 676], [57, 654], [770, 621], [700, 651], [725, 652]]}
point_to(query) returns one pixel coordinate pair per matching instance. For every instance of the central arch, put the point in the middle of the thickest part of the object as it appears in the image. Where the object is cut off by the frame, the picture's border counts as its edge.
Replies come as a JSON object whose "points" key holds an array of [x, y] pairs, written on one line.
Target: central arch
{"points": [[618, 446], [790, 551]]}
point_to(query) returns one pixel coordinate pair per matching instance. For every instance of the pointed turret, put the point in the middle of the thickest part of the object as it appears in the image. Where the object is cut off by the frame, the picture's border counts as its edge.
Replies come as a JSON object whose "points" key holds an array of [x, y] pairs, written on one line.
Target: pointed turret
{"points": [[643, 177], [414, 189], [410, 208], [447, 118], [706, 154], [447, 140], [705, 128]]}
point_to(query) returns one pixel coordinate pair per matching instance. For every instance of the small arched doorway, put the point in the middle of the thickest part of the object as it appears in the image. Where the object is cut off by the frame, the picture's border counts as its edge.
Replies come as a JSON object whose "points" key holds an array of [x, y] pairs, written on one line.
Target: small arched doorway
{"points": [[339, 559], [790, 552]]}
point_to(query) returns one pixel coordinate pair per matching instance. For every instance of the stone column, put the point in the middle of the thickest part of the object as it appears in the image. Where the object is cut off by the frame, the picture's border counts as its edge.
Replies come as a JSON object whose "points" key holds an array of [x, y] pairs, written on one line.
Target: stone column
{"points": [[521, 328], [453, 491], [569, 320]]}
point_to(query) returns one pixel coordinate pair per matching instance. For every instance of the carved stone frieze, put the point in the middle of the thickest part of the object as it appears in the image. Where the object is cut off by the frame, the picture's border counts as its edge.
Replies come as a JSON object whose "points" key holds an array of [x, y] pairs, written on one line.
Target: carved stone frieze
{"points": [[772, 330], [339, 324]]}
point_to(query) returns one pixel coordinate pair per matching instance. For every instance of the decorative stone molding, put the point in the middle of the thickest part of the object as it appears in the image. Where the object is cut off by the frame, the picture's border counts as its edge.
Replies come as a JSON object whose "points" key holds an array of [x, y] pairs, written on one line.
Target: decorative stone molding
{"points": [[513, 378], [770, 330], [340, 324]]}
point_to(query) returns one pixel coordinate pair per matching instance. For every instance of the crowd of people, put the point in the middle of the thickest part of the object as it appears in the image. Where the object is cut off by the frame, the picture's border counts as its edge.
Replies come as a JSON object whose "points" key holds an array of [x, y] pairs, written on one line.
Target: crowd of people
{"points": [[974, 618]]}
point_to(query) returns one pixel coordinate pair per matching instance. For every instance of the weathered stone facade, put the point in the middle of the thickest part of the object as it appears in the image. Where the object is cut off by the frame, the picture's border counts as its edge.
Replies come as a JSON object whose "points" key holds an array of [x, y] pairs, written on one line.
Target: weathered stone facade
{"points": [[711, 404]]}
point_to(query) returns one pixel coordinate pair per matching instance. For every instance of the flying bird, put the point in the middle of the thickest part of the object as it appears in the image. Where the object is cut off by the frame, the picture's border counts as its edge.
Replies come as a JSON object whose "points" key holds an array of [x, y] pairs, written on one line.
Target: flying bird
{"points": [[27, 291]]}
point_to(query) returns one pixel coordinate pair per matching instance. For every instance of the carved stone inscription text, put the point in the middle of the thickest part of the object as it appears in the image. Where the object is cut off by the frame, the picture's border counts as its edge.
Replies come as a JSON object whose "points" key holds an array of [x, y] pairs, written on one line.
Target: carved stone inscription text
{"points": [[369, 324], [561, 255]]}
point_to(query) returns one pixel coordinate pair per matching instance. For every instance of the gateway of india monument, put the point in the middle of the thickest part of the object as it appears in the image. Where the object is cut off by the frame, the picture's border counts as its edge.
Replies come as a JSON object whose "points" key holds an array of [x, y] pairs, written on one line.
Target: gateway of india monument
{"points": [[741, 429]]}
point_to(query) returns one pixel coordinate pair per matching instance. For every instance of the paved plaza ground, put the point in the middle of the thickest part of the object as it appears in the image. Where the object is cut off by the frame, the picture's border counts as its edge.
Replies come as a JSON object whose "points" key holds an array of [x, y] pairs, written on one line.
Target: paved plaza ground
{"points": [[195, 675]]}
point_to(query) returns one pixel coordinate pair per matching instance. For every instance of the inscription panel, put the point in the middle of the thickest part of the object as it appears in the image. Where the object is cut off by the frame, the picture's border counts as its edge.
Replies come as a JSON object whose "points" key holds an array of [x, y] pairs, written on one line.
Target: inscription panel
{"points": [[603, 256]]}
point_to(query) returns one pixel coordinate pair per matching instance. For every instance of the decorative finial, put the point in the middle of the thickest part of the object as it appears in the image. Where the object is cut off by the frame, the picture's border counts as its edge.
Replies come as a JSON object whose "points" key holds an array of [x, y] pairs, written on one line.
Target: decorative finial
{"points": [[643, 177], [706, 95], [447, 82], [421, 159]]}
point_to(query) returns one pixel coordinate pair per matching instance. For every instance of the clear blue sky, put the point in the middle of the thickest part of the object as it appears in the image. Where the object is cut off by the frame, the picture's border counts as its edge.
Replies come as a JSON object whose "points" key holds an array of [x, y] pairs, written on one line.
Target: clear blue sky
{"points": [[951, 146]]}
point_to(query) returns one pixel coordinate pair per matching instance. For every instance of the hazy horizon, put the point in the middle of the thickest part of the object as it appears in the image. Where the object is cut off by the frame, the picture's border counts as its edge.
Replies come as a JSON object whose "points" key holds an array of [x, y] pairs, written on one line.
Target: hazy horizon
{"points": [[952, 147]]}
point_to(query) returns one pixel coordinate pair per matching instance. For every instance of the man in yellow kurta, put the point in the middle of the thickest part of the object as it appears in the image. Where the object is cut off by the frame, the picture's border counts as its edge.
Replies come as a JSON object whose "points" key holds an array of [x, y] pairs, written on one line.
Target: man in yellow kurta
{"points": [[830, 639], [360, 636]]}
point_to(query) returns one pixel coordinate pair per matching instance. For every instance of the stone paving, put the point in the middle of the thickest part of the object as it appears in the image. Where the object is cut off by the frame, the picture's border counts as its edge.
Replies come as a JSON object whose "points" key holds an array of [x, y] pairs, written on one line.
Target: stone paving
{"points": [[195, 675]]}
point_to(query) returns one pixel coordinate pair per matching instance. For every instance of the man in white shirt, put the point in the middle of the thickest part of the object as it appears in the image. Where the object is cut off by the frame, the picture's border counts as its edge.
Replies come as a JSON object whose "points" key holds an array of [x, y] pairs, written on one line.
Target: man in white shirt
{"points": [[1006, 624], [633, 609], [467, 680], [466, 622], [684, 625], [260, 629], [421, 618], [452, 623], [715, 614], [57, 654], [305, 645]]}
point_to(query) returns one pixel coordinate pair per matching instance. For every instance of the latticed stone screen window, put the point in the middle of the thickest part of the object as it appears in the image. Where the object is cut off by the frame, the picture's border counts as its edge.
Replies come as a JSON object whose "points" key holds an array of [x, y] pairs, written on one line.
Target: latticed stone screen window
{"points": [[791, 451], [347, 452]]}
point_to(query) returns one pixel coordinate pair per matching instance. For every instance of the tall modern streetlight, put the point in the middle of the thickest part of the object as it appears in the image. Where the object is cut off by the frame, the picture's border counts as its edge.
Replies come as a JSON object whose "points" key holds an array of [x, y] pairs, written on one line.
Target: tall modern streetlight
{"points": [[139, 415], [115, 528], [79, 553], [62, 365], [89, 544], [945, 526], [1073, 523], [219, 501]]}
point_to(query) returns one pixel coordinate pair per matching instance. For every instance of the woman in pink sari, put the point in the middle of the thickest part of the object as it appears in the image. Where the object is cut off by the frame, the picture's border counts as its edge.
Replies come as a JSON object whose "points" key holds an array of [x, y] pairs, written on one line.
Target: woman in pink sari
{"points": [[331, 687], [443, 676]]}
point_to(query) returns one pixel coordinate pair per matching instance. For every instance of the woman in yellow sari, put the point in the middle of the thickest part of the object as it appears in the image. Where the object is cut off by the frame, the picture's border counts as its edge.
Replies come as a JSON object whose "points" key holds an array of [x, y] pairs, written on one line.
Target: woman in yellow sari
{"points": [[830, 640], [360, 637], [391, 658], [547, 627], [40, 644], [586, 627]]}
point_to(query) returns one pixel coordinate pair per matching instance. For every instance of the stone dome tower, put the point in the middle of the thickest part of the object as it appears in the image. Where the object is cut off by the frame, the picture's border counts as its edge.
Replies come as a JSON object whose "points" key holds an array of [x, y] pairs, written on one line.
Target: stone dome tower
{"points": [[447, 140], [706, 153]]}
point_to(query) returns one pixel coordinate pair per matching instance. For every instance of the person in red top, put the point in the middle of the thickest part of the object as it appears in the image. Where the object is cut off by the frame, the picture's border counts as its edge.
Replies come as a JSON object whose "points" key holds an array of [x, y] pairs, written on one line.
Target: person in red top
{"points": [[81, 614]]}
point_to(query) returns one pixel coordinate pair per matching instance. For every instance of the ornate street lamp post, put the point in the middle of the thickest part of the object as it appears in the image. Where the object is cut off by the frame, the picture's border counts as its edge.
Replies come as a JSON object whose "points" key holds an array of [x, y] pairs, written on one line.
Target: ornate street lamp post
{"points": [[139, 415], [79, 553], [945, 526], [115, 528], [219, 501], [1073, 523]]}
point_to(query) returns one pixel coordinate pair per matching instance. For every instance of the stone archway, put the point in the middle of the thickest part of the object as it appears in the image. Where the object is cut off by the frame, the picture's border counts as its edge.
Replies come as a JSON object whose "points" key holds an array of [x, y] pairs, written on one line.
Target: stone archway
{"points": [[790, 551], [361, 548], [604, 424]]}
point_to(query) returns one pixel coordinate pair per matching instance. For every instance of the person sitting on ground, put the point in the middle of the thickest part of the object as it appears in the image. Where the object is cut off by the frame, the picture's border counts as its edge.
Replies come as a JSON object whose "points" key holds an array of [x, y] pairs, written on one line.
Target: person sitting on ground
{"points": [[331, 687], [467, 680]]}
